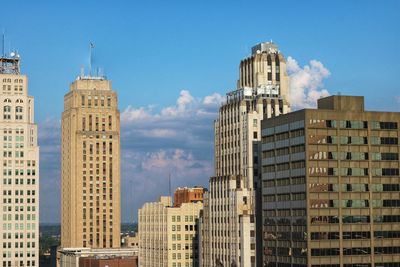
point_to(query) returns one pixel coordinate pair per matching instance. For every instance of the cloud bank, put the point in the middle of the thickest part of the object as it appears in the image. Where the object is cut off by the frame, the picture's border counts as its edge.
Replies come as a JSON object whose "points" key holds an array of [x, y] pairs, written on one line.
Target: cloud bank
{"points": [[306, 84]]}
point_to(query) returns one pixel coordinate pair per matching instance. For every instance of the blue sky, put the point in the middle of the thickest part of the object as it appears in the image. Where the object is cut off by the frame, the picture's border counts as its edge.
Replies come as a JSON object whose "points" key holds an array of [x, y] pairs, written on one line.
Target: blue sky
{"points": [[165, 57]]}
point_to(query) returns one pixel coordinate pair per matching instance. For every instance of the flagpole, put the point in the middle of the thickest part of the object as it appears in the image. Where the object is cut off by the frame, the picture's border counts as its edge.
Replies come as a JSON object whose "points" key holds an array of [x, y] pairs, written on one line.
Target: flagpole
{"points": [[90, 58]]}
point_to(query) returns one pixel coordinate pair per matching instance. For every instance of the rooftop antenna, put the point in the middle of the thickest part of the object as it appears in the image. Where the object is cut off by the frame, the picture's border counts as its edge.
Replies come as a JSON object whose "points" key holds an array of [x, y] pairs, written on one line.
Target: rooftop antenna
{"points": [[91, 46], [82, 71], [169, 185]]}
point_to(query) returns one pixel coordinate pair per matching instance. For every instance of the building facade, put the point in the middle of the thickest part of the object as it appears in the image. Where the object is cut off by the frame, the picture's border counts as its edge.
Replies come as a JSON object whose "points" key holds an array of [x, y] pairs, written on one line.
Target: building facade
{"points": [[168, 236], [188, 195], [90, 189], [230, 203], [19, 186], [331, 186], [87, 257]]}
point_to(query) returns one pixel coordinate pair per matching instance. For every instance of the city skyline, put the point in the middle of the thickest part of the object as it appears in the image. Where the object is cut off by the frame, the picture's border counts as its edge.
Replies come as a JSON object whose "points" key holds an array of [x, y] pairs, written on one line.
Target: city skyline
{"points": [[183, 81]]}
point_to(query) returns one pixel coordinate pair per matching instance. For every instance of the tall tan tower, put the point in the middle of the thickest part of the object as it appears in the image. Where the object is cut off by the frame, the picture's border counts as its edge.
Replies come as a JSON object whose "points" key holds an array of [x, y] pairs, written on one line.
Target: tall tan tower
{"points": [[19, 186], [90, 206]]}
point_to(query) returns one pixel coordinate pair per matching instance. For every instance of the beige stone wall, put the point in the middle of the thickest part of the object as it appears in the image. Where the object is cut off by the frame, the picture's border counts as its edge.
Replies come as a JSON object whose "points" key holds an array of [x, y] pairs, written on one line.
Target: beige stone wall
{"points": [[168, 235], [90, 166], [19, 185]]}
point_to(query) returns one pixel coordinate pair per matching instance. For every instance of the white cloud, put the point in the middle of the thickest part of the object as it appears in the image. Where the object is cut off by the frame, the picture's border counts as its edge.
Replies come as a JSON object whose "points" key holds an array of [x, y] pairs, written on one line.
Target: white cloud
{"points": [[132, 114], [213, 100], [306, 83], [186, 106]]}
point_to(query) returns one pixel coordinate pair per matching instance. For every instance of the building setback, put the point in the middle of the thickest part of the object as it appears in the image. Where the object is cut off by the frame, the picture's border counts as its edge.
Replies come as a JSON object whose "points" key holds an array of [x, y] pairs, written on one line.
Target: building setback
{"points": [[90, 189], [168, 236], [19, 186], [331, 186], [228, 223]]}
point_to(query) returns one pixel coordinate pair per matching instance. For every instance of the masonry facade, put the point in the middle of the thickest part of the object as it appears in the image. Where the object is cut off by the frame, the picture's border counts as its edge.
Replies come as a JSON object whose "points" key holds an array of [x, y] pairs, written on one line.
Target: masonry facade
{"points": [[19, 186], [168, 236], [330, 183], [188, 195], [90, 190], [228, 223]]}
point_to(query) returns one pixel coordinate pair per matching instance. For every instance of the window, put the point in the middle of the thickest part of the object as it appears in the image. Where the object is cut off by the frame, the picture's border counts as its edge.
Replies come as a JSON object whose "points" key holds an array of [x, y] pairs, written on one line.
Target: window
{"points": [[254, 135], [389, 141], [7, 112], [324, 235], [355, 219], [383, 125], [18, 112], [325, 252]]}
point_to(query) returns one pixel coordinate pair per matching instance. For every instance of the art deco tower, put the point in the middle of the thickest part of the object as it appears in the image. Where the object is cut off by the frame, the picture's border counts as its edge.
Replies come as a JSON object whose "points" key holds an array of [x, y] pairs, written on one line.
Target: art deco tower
{"points": [[90, 208], [229, 225], [19, 186]]}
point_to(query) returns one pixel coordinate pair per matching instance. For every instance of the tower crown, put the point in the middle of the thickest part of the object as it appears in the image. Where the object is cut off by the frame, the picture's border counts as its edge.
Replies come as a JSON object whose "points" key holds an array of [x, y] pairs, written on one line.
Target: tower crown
{"points": [[268, 47], [9, 64]]}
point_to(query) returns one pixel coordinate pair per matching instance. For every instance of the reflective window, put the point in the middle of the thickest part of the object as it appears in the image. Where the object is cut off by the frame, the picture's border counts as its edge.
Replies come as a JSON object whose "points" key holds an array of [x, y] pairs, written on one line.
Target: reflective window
{"points": [[356, 235], [386, 218], [353, 124], [356, 251], [387, 234], [385, 187], [324, 235], [387, 250], [325, 252], [355, 219], [383, 125]]}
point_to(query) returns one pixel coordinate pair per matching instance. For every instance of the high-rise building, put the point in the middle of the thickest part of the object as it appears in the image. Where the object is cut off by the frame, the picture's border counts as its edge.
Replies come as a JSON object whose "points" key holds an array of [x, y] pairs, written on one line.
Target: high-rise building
{"points": [[19, 186], [331, 186], [228, 228], [168, 236], [90, 168]]}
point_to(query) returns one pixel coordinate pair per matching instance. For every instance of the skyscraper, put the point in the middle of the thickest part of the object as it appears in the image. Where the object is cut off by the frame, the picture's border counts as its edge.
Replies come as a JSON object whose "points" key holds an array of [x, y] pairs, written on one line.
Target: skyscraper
{"points": [[228, 228], [19, 188], [90, 195], [331, 186]]}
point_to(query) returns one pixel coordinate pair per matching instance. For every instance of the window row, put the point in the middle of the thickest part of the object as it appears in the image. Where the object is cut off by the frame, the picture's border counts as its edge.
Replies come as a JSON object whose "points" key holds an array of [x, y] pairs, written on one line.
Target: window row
{"points": [[348, 124], [96, 101], [318, 171], [9, 80], [20, 181]]}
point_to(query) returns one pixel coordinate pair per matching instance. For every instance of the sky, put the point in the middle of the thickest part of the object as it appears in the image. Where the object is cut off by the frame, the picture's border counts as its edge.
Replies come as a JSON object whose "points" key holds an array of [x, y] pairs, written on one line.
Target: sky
{"points": [[172, 62]]}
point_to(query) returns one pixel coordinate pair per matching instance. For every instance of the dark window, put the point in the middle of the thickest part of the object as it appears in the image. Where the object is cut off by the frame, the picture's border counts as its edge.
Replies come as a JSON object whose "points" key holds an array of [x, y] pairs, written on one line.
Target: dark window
{"points": [[325, 252], [389, 140], [388, 125]]}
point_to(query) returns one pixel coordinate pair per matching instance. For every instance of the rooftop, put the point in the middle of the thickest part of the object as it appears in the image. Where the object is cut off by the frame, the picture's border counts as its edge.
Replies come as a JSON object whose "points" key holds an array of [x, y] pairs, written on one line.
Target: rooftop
{"points": [[268, 47], [9, 64], [342, 102]]}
